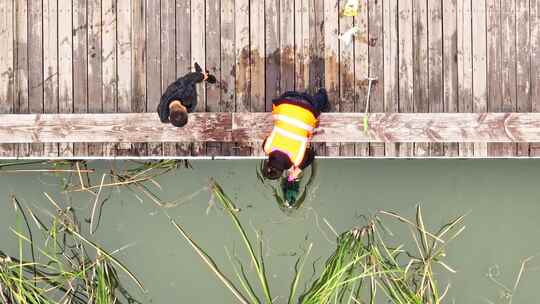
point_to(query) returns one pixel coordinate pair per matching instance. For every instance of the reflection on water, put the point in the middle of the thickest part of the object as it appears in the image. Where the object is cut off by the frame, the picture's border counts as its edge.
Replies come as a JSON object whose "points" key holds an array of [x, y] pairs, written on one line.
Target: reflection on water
{"points": [[290, 195]]}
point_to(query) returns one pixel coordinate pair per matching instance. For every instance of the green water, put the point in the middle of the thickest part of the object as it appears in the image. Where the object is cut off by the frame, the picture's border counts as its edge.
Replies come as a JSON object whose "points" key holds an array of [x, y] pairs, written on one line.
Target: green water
{"points": [[502, 197]]}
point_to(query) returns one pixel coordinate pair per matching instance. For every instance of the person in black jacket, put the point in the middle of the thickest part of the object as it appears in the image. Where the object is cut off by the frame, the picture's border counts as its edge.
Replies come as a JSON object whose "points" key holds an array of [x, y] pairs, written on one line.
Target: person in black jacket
{"points": [[180, 98]]}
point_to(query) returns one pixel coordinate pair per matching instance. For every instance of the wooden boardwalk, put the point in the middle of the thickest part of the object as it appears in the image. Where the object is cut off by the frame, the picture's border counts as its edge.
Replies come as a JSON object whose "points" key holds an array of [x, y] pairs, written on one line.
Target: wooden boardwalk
{"points": [[90, 56]]}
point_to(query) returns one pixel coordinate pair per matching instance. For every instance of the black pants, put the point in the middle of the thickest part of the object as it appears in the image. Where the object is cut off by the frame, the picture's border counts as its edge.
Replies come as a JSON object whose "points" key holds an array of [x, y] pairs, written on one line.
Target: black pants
{"points": [[319, 101]]}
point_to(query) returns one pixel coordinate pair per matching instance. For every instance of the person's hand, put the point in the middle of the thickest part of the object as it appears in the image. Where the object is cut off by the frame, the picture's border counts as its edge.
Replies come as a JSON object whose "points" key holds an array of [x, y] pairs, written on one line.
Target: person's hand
{"points": [[294, 173]]}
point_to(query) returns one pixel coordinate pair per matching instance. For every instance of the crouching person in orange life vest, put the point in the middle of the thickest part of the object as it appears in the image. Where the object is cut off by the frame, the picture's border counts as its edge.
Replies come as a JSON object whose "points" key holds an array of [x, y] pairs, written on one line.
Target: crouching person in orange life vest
{"points": [[295, 118]]}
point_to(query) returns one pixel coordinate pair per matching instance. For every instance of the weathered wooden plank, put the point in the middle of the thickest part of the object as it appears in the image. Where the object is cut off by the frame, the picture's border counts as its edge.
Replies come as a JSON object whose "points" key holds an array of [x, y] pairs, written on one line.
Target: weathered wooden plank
{"points": [[346, 74], [465, 71], [376, 66], [301, 37], [183, 55], [391, 71], [272, 53], [316, 69], [124, 49], [331, 60], [95, 89], [111, 128], [21, 64], [421, 89], [50, 65], [287, 41], [479, 64], [435, 56], [65, 65], [242, 68], [35, 63], [109, 63], [80, 65], [407, 127], [7, 67], [523, 64], [254, 127], [495, 65], [198, 54], [406, 77], [228, 61], [168, 55], [535, 63], [213, 63], [450, 68], [361, 69], [138, 65], [257, 62], [153, 64]]}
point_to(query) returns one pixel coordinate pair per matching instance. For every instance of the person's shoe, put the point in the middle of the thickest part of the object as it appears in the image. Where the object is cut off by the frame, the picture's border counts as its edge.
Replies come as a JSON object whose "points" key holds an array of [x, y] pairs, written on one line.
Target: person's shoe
{"points": [[327, 105], [197, 68], [211, 79]]}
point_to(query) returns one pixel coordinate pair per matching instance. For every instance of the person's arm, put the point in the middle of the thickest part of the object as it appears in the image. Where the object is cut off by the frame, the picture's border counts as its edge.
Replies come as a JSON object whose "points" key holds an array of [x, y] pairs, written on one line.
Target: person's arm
{"points": [[309, 157], [163, 110]]}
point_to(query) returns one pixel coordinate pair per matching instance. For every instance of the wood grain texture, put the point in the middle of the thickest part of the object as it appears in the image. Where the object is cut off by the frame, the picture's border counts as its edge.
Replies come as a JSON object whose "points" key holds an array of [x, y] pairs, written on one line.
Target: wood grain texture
{"points": [[228, 62], [287, 45], [376, 66], [406, 80], [21, 102], [153, 65], [213, 64], [346, 74], [465, 68], [65, 66], [435, 58], [523, 65], [80, 65], [361, 69], [316, 68], [535, 63], [95, 91], [272, 55], [450, 67], [168, 55], [7, 68], [331, 61], [109, 63], [242, 67], [421, 71], [479, 49], [254, 127], [391, 65]]}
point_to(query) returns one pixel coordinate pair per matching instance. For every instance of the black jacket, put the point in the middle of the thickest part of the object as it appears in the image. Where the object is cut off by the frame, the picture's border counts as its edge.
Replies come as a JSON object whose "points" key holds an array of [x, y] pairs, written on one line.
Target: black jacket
{"points": [[183, 89]]}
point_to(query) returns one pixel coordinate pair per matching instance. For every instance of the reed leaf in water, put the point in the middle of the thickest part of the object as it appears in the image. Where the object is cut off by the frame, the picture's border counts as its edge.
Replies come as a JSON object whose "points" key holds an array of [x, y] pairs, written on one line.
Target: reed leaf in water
{"points": [[362, 267], [65, 271]]}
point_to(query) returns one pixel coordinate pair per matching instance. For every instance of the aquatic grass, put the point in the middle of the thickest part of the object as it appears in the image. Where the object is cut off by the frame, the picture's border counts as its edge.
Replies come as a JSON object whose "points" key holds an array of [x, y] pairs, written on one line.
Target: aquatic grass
{"points": [[363, 267], [70, 267]]}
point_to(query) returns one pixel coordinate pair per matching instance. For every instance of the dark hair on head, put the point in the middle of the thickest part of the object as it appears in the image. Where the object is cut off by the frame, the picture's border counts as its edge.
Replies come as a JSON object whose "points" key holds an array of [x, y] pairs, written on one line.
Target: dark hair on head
{"points": [[270, 172], [178, 118], [276, 164]]}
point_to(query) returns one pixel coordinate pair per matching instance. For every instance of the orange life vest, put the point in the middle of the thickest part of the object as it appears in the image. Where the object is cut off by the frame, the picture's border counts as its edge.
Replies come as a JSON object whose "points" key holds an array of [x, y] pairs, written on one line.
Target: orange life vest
{"points": [[293, 125]]}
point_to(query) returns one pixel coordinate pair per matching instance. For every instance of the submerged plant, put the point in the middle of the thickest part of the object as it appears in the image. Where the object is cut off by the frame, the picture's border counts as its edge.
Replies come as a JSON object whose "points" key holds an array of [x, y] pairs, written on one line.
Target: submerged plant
{"points": [[69, 268], [362, 269]]}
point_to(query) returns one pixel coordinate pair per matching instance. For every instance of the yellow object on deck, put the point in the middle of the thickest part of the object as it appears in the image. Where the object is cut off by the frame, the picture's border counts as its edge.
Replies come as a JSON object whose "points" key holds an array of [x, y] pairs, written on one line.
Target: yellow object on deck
{"points": [[351, 8]]}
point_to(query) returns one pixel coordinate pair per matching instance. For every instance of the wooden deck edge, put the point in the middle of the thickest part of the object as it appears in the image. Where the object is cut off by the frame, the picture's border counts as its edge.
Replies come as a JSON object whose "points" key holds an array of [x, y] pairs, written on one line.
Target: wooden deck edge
{"points": [[253, 127]]}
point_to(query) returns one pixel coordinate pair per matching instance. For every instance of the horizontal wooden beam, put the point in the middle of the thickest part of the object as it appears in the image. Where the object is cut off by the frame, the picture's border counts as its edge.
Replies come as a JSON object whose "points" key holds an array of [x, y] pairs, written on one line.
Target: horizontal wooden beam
{"points": [[254, 127]]}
